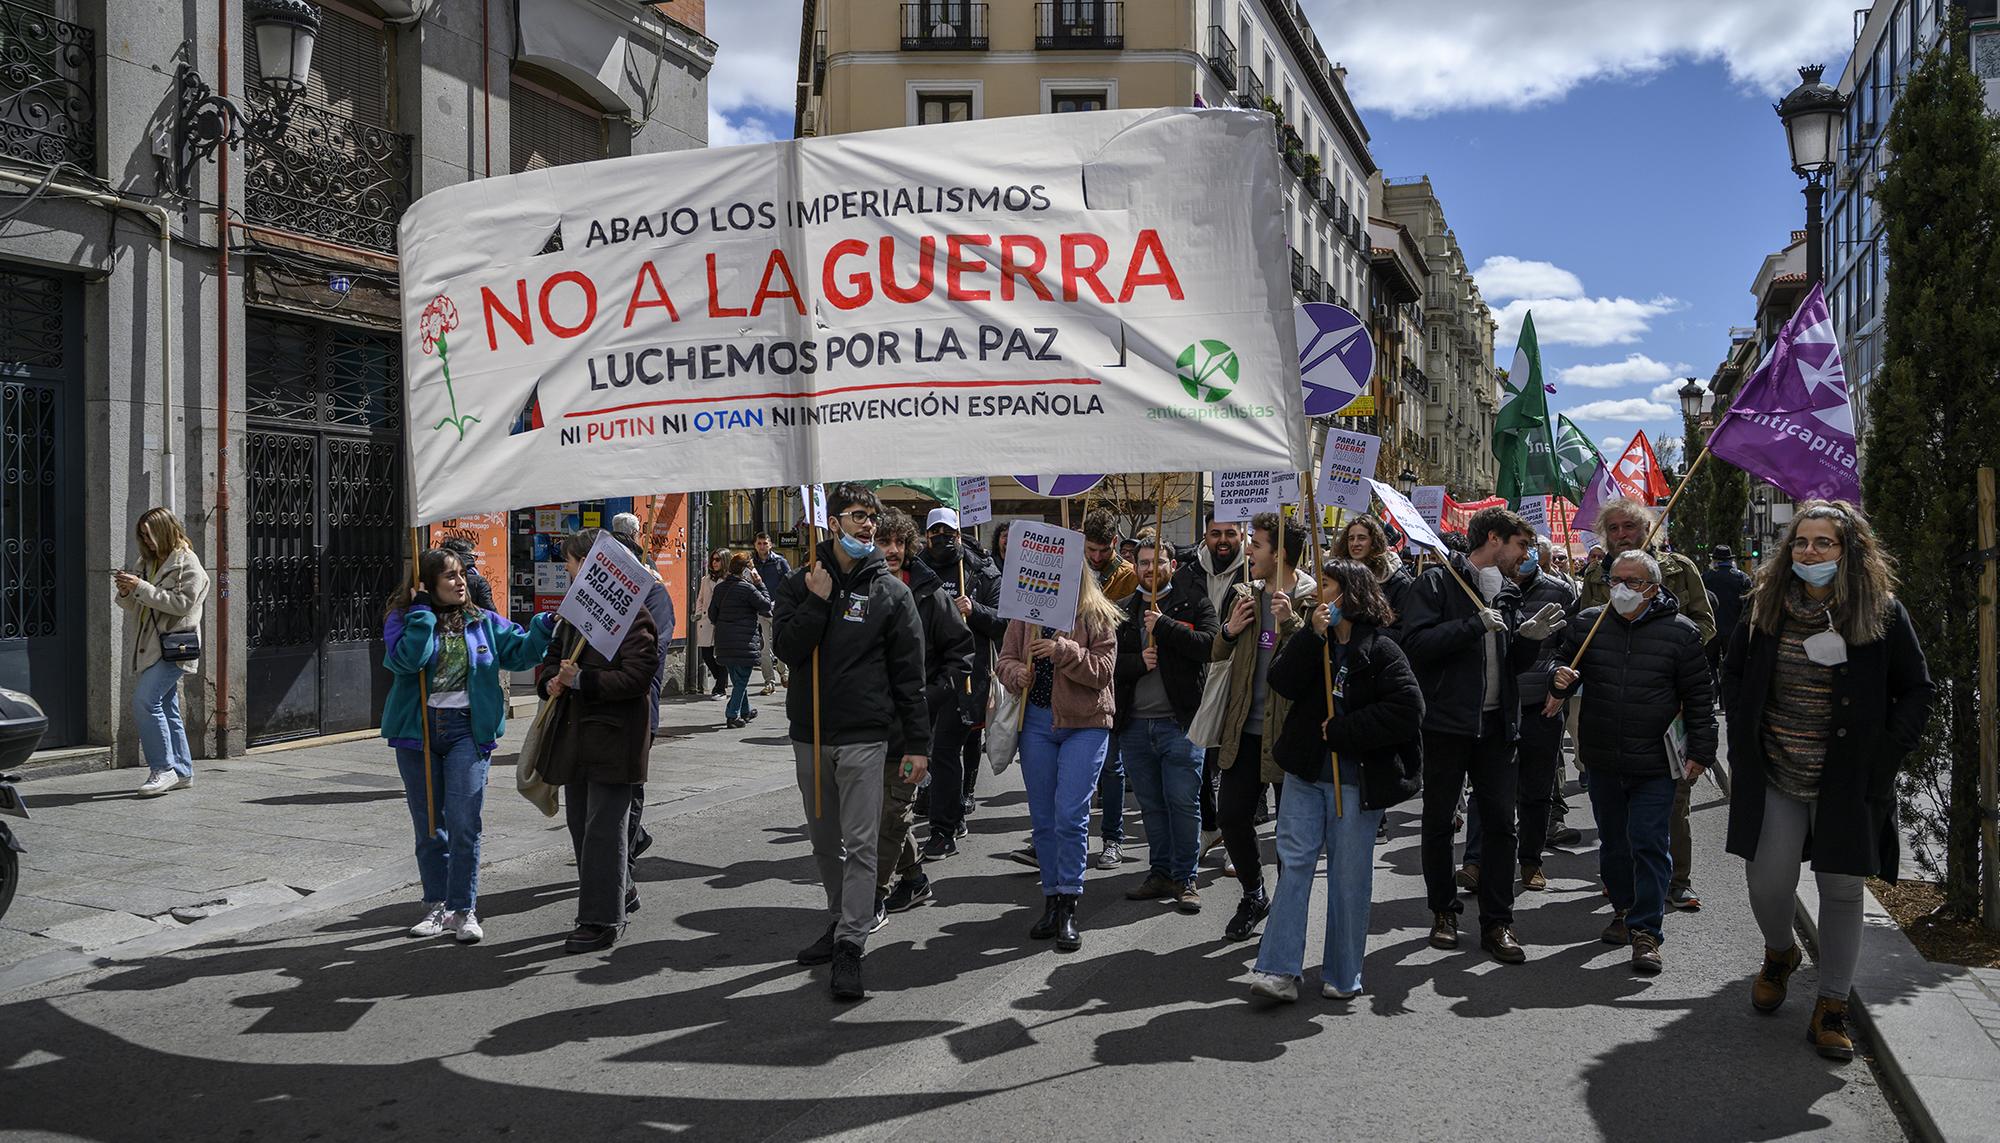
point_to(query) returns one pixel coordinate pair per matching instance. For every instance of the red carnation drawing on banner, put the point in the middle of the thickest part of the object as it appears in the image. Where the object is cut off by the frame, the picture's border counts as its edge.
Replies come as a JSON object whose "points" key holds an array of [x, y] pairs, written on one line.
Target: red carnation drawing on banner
{"points": [[440, 318]]}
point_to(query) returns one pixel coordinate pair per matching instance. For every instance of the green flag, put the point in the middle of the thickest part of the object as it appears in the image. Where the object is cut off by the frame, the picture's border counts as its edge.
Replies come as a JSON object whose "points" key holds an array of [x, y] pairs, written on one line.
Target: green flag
{"points": [[1577, 459], [1522, 440]]}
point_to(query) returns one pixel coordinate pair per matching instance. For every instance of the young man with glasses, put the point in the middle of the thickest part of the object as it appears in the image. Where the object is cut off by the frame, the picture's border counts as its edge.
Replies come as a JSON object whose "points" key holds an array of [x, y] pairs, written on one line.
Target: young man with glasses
{"points": [[1624, 525], [862, 624]]}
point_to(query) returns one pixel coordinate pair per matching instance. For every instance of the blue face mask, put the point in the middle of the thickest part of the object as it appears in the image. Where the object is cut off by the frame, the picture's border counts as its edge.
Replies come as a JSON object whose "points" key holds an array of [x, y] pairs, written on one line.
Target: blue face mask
{"points": [[853, 547], [1818, 575], [1533, 563], [1332, 614]]}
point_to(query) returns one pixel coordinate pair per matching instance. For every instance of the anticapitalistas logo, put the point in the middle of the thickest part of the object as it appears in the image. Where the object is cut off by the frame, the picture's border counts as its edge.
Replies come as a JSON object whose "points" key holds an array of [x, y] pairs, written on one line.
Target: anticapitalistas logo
{"points": [[1207, 370], [439, 319]]}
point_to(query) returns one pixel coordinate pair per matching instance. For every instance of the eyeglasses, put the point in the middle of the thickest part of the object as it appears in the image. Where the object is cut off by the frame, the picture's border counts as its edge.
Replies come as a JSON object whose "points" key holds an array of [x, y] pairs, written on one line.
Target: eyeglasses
{"points": [[861, 516], [1815, 544], [1633, 582]]}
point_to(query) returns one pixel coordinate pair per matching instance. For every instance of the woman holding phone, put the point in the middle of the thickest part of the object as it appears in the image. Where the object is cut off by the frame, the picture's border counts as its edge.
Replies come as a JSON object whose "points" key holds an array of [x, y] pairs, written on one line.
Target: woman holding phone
{"points": [[165, 596]]}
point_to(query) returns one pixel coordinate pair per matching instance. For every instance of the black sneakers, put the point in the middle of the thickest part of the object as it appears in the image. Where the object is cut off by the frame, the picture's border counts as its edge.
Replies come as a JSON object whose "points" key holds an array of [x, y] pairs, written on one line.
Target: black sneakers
{"points": [[909, 893], [1249, 914], [939, 846], [820, 951], [881, 913], [591, 938], [847, 971]]}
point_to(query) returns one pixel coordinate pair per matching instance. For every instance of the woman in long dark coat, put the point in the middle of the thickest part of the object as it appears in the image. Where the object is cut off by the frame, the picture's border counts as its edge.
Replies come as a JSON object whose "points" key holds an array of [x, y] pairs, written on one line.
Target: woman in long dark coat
{"points": [[1827, 693]]}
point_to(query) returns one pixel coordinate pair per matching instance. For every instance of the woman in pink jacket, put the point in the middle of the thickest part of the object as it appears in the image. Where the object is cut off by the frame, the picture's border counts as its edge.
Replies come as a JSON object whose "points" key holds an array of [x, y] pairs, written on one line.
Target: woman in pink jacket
{"points": [[1068, 677]]}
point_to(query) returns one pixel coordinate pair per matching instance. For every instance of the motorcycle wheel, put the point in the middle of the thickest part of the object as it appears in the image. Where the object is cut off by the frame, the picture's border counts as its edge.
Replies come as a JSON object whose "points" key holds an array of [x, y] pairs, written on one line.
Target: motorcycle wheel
{"points": [[10, 877]]}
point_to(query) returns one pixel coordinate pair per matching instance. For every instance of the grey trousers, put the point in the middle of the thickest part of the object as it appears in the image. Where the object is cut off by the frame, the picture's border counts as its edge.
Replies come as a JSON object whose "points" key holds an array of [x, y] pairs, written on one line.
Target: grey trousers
{"points": [[772, 666], [1774, 878], [844, 833], [599, 819]]}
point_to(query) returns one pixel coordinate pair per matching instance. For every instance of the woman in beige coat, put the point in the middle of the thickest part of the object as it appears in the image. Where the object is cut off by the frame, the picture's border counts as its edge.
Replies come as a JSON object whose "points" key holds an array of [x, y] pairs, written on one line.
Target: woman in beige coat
{"points": [[165, 596]]}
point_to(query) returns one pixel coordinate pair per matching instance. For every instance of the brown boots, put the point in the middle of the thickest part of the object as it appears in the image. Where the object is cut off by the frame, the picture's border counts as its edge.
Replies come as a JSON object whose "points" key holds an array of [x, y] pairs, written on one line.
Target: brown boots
{"points": [[1828, 1032], [1767, 992]]}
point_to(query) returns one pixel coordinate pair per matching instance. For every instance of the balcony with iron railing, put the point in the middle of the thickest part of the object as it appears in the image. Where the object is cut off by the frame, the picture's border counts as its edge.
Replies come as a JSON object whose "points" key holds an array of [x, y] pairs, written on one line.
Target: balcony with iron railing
{"points": [[48, 89], [329, 177], [1298, 272], [1079, 25], [944, 26], [819, 62], [1222, 56], [1318, 189], [1315, 284], [1250, 93]]}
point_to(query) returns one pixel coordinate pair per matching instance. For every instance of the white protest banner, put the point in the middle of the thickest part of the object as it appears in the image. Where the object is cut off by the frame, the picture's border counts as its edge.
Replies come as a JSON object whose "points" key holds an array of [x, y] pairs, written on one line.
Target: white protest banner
{"points": [[1110, 284], [1044, 575], [1429, 502], [609, 590], [1240, 495], [1535, 510], [1406, 516], [1285, 486], [812, 505], [1347, 469], [975, 500]]}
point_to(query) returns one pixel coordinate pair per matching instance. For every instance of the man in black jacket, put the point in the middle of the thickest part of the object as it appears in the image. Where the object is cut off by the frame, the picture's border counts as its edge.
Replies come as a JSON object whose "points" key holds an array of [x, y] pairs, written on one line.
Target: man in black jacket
{"points": [[862, 625], [1644, 669], [771, 569], [947, 666], [959, 569], [1462, 651], [1163, 652], [1729, 585]]}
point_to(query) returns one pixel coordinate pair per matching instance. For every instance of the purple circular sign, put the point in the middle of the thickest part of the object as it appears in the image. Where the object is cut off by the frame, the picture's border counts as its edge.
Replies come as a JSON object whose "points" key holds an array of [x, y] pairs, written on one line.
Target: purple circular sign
{"points": [[1075, 484], [1336, 356]]}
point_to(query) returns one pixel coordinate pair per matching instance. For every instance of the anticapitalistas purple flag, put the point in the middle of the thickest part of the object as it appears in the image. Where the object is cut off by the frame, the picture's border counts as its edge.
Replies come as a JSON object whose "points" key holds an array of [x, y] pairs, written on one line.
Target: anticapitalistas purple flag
{"points": [[1791, 424]]}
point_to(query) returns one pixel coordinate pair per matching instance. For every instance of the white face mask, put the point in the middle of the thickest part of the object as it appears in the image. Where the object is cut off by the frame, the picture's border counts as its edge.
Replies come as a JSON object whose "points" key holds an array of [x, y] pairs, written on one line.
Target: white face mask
{"points": [[1627, 601], [1490, 581]]}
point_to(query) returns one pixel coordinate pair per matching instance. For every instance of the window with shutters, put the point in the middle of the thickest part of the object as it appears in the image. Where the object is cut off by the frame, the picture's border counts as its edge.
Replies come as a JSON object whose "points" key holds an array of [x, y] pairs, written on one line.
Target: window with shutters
{"points": [[341, 171], [551, 123]]}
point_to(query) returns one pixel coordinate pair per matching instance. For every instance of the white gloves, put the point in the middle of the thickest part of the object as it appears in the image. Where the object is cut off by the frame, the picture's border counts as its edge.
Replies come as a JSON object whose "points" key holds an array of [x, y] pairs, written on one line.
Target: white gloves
{"points": [[1543, 623], [1492, 619]]}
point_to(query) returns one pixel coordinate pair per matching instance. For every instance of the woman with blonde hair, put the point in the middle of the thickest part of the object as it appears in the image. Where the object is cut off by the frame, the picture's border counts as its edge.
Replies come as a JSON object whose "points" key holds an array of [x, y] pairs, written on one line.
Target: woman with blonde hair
{"points": [[166, 596], [1827, 692], [1066, 730]]}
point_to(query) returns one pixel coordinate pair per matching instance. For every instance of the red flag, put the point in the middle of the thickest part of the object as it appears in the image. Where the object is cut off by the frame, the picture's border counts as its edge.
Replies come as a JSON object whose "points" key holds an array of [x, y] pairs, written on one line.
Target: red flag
{"points": [[1638, 474], [1456, 515]]}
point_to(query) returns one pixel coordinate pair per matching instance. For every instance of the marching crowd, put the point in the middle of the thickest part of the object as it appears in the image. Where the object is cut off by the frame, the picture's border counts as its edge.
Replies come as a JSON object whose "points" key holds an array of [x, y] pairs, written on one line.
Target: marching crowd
{"points": [[1202, 677]]}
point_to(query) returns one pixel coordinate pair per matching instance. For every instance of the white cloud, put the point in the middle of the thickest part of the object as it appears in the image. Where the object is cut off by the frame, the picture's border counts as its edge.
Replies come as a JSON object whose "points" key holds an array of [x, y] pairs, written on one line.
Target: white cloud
{"points": [[1421, 57], [1582, 321], [1611, 448], [1667, 391], [1503, 276], [756, 67], [1627, 409], [1636, 369]]}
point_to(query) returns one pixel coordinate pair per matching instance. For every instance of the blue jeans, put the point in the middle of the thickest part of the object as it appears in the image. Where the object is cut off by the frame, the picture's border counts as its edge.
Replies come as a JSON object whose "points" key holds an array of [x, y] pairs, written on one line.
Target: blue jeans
{"points": [[1111, 793], [738, 705], [1634, 836], [1165, 769], [448, 862], [1306, 827], [156, 708], [1060, 768]]}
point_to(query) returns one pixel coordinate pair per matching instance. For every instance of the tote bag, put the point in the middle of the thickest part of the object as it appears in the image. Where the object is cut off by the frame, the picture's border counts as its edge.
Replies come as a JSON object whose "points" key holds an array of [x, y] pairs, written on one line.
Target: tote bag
{"points": [[528, 766]]}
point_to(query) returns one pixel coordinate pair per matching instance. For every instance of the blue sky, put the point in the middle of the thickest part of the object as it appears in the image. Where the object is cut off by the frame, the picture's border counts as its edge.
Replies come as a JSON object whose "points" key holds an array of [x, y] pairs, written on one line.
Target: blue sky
{"points": [[1614, 167]]}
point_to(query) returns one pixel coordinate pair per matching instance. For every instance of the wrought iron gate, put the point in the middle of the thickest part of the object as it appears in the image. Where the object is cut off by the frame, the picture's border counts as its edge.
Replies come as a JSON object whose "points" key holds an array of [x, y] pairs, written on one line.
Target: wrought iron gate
{"points": [[41, 507], [326, 535]]}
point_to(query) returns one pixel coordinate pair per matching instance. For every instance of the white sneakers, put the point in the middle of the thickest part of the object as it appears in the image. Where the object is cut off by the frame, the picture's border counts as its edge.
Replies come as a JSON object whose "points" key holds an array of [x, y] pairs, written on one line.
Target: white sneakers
{"points": [[1332, 993], [466, 925], [435, 915], [1271, 986], [439, 920], [160, 781], [1111, 857]]}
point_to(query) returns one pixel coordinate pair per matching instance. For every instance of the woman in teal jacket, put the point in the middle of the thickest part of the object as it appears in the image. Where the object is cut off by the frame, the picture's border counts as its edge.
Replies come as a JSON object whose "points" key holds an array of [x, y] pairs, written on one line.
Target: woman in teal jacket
{"points": [[459, 650]]}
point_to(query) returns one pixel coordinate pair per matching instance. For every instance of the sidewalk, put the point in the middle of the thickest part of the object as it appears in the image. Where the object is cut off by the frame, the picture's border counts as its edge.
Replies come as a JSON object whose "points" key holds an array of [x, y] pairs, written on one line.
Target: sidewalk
{"points": [[293, 831]]}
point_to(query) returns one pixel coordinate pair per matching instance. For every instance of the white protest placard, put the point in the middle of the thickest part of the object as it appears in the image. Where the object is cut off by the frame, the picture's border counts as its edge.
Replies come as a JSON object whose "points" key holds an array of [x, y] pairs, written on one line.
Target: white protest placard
{"points": [[975, 500], [1044, 574], [1241, 494], [1346, 469], [1041, 288], [608, 592], [1429, 502], [1285, 486], [1405, 514], [1535, 510], [812, 504]]}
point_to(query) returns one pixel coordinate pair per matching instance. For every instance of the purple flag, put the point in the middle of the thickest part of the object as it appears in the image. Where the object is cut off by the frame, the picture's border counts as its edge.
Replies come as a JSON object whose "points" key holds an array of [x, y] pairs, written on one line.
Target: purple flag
{"points": [[1791, 424], [1597, 491]]}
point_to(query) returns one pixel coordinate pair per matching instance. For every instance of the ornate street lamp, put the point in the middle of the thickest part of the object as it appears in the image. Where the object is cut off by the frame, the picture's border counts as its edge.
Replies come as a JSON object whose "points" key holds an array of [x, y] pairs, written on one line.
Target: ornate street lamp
{"points": [[1406, 481], [1811, 115], [203, 121], [1690, 395]]}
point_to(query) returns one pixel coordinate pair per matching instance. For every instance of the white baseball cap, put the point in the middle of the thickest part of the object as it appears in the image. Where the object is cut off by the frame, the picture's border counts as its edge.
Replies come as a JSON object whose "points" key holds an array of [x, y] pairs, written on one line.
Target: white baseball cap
{"points": [[625, 524], [944, 516]]}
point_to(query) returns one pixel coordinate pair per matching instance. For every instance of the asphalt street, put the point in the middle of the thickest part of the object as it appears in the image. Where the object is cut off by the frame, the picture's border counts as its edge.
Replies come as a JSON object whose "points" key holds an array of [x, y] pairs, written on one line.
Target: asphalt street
{"points": [[336, 1026]]}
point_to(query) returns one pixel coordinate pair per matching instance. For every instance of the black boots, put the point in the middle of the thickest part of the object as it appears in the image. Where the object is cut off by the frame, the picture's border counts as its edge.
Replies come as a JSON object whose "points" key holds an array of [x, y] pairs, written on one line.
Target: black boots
{"points": [[1059, 921]]}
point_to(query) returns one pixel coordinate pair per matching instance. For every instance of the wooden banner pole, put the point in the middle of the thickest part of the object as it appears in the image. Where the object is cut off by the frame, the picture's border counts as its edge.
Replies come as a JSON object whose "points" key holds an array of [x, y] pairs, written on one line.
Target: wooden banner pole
{"points": [[812, 539], [423, 690]]}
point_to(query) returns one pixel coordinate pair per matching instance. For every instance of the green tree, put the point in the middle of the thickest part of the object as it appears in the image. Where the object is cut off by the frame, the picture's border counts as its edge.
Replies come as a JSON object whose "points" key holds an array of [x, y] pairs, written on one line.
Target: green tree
{"points": [[1933, 409]]}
